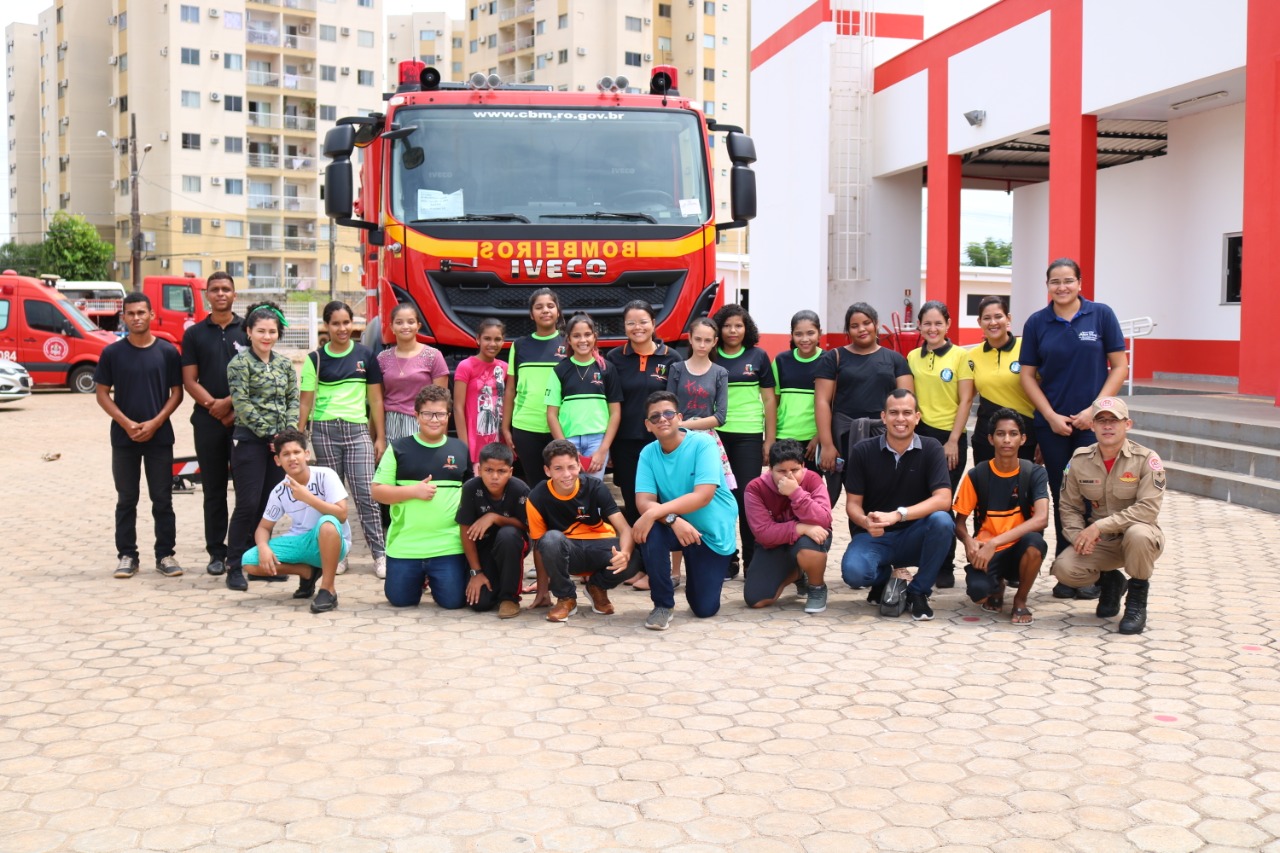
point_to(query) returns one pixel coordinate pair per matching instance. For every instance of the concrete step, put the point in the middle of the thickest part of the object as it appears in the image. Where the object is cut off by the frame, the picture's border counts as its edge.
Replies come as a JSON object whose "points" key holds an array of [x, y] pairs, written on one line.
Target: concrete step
{"points": [[1239, 489], [1222, 456], [1223, 419]]}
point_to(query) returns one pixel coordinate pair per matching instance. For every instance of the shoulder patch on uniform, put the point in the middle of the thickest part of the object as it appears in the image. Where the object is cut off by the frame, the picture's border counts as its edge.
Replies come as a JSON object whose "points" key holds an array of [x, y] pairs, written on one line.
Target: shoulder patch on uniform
{"points": [[1159, 480], [1154, 461]]}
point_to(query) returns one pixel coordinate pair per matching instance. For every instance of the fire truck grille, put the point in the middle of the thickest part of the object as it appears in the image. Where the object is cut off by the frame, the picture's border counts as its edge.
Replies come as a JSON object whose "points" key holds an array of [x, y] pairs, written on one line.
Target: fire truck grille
{"points": [[468, 298]]}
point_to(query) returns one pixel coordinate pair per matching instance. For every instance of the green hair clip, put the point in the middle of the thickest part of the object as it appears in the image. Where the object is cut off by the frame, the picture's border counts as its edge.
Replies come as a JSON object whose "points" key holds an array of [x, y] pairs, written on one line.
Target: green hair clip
{"points": [[284, 324]]}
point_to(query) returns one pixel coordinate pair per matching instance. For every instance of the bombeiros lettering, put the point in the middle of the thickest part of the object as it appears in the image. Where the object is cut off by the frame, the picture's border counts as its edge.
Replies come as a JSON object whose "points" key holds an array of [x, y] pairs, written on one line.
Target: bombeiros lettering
{"points": [[558, 259]]}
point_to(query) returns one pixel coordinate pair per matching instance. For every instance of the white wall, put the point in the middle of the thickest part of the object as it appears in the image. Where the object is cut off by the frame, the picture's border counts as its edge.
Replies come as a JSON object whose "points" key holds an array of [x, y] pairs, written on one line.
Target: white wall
{"points": [[899, 122], [1030, 251], [893, 267], [1006, 75], [1139, 47]]}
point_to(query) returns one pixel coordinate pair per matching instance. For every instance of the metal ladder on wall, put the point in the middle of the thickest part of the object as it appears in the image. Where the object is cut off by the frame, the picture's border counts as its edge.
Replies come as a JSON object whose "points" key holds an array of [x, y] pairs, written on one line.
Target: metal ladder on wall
{"points": [[850, 102]]}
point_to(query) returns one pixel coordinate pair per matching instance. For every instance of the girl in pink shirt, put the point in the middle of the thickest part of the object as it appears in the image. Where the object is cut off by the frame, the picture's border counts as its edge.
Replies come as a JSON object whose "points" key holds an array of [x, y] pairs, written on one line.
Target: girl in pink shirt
{"points": [[478, 384]]}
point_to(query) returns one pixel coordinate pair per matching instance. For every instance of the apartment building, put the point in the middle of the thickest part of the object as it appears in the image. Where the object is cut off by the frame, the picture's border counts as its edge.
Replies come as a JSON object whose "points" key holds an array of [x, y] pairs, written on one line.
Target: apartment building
{"points": [[231, 103], [430, 37], [21, 58], [571, 44]]}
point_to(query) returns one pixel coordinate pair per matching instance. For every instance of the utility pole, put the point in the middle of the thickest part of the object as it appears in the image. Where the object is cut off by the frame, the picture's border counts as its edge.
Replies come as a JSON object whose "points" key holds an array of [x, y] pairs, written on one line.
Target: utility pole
{"points": [[135, 215], [333, 249]]}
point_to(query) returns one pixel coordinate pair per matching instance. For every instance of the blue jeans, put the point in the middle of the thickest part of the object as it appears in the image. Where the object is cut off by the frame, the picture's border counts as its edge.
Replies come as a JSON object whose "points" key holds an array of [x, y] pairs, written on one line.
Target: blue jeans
{"points": [[587, 446], [927, 544], [703, 572], [448, 574]]}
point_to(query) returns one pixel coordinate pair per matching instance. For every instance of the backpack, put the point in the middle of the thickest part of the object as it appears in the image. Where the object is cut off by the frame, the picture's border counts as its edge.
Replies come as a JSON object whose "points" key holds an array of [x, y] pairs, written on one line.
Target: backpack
{"points": [[980, 476]]}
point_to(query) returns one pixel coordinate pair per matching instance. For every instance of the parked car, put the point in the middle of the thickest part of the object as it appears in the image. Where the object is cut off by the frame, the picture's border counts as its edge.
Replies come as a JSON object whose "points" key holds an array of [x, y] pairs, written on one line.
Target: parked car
{"points": [[44, 332], [15, 382]]}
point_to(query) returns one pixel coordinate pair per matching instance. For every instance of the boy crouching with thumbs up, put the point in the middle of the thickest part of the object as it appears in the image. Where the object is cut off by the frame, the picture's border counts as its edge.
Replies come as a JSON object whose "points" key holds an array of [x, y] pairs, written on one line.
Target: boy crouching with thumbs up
{"points": [[577, 529], [420, 477], [315, 501]]}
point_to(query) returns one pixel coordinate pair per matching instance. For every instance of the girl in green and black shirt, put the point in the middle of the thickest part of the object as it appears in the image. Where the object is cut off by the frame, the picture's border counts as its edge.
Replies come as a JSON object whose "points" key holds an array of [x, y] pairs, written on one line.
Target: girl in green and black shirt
{"points": [[584, 401], [524, 407], [794, 374]]}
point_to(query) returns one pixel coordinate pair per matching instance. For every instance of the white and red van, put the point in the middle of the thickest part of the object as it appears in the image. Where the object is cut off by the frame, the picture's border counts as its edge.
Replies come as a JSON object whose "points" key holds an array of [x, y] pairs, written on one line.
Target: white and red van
{"points": [[44, 332]]}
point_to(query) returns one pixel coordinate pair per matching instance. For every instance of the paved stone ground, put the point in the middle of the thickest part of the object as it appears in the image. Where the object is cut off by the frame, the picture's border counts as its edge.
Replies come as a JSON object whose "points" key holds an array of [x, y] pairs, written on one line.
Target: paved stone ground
{"points": [[158, 714]]}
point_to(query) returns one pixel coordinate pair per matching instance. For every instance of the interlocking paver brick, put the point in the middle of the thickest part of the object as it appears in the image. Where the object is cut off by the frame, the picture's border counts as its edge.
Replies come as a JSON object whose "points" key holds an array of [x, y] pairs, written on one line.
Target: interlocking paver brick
{"points": [[172, 714]]}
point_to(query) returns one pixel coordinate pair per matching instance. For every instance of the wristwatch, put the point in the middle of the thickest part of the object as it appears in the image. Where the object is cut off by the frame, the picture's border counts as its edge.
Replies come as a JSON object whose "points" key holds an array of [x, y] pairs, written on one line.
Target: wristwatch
{"points": [[670, 519], [902, 511], [474, 572]]}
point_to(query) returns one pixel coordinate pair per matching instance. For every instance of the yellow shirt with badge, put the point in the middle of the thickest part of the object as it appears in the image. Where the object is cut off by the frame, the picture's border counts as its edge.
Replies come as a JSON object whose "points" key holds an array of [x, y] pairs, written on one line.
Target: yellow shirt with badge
{"points": [[938, 375], [995, 375]]}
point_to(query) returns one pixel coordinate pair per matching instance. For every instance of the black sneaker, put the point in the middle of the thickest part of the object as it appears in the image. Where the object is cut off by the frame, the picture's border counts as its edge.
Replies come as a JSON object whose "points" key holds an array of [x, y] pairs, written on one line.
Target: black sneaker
{"points": [[236, 581], [920, 609], [802, 586], [874, 594], [307, 586], [217, 566], [126, 568], [1061, 590], [735, 567], [946, 578], [324, 602], [168, 566]]}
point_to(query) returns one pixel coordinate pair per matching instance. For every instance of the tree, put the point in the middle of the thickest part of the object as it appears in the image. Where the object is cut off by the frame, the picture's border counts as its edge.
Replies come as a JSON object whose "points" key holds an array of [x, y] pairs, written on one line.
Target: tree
{"points": [[74, 251], [22, 258], [989, 253]]}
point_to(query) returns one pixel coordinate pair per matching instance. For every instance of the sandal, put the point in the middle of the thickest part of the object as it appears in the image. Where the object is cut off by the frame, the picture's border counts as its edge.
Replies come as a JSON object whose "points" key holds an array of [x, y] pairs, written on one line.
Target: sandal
{"points": [[1021, 616], [992, 604]]}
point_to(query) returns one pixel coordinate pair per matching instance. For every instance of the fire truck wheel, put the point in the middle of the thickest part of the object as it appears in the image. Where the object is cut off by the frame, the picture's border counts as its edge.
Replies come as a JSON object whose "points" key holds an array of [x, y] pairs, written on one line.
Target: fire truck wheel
{"points": [[80, 379]]}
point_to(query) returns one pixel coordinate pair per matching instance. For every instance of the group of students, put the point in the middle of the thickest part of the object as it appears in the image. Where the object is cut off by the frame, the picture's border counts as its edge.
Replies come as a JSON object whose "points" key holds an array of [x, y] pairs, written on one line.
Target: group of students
{"points": [[559, 410]]}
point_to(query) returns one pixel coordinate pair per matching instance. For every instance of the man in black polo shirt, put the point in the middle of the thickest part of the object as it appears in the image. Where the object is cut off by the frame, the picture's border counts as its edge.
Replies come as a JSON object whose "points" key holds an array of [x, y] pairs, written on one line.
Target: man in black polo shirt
{"points": [[898, 497], [207, 348]]}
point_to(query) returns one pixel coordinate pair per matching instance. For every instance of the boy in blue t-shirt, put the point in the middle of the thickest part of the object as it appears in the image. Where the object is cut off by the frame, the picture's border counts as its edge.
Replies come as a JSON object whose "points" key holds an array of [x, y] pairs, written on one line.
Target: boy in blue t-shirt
{"points": [[686, 506]]}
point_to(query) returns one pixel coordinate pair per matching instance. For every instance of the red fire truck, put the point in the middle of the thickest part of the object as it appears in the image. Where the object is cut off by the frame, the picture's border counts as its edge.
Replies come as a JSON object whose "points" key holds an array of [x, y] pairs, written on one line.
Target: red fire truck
{"points": [[473, 195]]}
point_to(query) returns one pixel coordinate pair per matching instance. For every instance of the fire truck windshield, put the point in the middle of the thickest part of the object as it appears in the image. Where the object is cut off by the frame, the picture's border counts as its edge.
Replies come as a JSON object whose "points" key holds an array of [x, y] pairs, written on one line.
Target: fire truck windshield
{"points": [[465, 166]]}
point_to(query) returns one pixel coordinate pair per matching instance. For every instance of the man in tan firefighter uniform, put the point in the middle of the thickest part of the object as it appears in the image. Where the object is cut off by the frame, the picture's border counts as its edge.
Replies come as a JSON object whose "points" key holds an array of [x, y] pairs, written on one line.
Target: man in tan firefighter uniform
{"points": [[1111, 497]]}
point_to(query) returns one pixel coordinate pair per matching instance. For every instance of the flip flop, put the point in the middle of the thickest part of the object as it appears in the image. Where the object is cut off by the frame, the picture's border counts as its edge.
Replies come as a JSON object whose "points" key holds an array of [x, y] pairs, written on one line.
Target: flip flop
{"points": [[992, 606], [1021, 616]]}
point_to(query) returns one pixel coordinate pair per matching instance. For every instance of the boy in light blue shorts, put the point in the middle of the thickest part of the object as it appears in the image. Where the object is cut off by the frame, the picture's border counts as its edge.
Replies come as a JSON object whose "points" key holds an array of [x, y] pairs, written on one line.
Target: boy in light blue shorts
{"points": [[316, 502]]}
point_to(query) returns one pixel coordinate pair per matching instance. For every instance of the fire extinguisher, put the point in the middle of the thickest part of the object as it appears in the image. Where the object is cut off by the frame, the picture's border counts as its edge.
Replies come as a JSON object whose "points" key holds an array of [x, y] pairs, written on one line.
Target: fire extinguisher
{"points": [[908, 312]]}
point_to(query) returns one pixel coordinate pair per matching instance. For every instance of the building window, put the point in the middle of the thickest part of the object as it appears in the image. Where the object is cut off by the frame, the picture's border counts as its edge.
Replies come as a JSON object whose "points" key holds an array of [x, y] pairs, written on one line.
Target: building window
{"points": [[191, 224], [368, 4], [235, 228], [474, 45], [457, 42], [328, 113], [493, 40], [1234, 246], [329, 73], [328, 32], [122, 21], [123, 63], [426, 35], [563, 56], [235, 269], [709, 108], [124, 103], [190, 98], [191, 268], [541, 62], [364, 78], [190, 14], [234, 186], [664, 44], [232, 20], [632, 24], [709, 74], [664, 10], [562, 23], [631, 58], [708, 7], [364, 38], [233, 103], [191, 142], [191, 56], [191, 183], [540, 28], [457, 67], [233, 61], [233, 144], [708, 40]]}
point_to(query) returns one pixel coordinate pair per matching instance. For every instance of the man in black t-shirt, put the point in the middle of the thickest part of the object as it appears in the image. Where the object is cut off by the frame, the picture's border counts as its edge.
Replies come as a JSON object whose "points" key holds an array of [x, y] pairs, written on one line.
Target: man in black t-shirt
{"points": [[139, 384], [898, 497], [491, 512], [207, 349]]}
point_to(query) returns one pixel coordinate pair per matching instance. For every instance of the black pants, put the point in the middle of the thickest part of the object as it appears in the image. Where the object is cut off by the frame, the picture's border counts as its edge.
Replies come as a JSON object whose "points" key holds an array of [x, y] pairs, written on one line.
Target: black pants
{"points": [[625, 454], [746, 458], [1005, 565], [529, 447], [563, 557], [213, 451], [1056, 450], [982, 449], [127, 466], [256, 473], [501, 555], [954, 474]]}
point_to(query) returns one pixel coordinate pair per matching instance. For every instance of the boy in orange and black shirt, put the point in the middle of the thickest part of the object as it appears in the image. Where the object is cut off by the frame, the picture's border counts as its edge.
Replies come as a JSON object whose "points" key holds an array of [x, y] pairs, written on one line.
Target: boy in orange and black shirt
{"points": [[577, 529], [1009, 498]]}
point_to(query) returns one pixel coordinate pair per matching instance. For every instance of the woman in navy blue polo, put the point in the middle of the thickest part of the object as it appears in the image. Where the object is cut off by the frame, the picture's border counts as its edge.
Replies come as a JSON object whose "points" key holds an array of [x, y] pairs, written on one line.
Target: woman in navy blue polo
{"points": [[1072, 354]]}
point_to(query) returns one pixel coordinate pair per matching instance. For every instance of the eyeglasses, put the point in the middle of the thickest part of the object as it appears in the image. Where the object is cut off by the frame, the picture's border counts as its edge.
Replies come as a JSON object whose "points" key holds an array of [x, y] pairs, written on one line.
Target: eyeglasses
{"points": [[1057, 282], [433, 416], [658, 417], [635, 324]]}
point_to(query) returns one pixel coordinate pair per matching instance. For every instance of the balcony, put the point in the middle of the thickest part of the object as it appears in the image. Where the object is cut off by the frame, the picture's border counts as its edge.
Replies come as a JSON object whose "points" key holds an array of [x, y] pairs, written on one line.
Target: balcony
{"points": [[522, 43], [288, 203], [271, 243], [262, 78], [266, 35], [275, 161], [307, 43], [276, 120], [263, 283], [519, 10], [272, 79], [304, 5]]}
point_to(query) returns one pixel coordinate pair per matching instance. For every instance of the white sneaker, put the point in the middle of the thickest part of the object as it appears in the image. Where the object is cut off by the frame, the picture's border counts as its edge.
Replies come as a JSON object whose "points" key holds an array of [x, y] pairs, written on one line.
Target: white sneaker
{"points": [[380, 566], [342, 566]]}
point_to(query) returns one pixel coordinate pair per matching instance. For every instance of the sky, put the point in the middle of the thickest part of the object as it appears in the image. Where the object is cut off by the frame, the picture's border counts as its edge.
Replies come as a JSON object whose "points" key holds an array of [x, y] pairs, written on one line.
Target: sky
{"points": [[983, 213]]}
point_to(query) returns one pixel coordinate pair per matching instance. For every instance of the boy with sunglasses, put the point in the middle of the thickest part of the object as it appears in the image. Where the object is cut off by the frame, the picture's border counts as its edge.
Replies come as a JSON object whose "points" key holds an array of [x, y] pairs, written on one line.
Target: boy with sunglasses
{"points": [[685, 505]]}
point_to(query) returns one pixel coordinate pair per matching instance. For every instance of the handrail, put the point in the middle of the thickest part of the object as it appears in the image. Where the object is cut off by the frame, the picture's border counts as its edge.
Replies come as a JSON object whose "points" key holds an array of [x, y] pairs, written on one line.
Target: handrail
{"points": [[1131, 329]]}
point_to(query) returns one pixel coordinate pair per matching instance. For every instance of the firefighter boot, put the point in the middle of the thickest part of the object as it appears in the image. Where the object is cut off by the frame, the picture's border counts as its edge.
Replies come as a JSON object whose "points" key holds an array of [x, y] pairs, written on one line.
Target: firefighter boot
{"points": [[1112, 586], [1135, 608]]}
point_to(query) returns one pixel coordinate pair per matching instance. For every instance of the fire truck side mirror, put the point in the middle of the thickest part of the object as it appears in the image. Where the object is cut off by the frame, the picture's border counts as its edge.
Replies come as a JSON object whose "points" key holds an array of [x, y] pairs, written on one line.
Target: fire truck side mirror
{"points": [[742, 191], [338, 189], [340, 141], [742, 149]]}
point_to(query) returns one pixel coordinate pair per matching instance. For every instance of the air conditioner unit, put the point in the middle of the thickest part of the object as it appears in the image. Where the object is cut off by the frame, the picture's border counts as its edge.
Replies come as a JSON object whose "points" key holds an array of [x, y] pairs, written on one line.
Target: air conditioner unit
{"points": [[112, 20], [346, 71], [213, 13], [304, 29], [648, 21], [689, 36], [164, 136], [308, 67], [391, 35], [582, 51], [439, 33], [115, 265], [62, 45], [112, 101], [311, 228], [215, 223], [346, 267], [688, 72], [113, 60], [64, 121], [549, 55], [164, 51], [214, 96], [214, 140], [213, 54], [215, 182], [217, 265], [648, 57], [346, 31], [164, 263]]}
